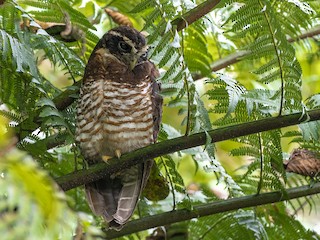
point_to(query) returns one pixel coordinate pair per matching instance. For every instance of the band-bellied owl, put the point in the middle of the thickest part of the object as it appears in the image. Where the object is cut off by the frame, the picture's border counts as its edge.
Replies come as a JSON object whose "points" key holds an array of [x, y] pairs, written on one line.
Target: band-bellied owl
{"points": [[119, 110]]}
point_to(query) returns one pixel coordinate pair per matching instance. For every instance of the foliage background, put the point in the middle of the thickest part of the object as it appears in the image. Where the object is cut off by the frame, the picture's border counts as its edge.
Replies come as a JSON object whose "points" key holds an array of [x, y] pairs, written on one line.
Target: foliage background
{"points": [[273, 74]]}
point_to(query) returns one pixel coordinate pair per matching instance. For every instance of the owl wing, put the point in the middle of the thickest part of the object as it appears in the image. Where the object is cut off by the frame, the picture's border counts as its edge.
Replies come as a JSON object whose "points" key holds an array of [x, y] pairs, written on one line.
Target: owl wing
{"points": [[90, 100], [157, 101]]}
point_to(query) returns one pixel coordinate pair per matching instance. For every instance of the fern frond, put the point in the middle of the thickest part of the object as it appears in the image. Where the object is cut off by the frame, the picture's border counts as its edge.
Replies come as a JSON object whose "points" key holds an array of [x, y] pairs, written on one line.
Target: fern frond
{"points": [[20, 56], [160, 44], [159, 28], [77, 18], [152, 17], [244, 225], [266, 169], [310, 131], [300, 204], [227, 92], [50, 15], [59, 54], [215, 166], [287, 225], [175, 177], [196, 52], [246, 150], [11, 116], [260, 19], [143, 6], [8, 18]]}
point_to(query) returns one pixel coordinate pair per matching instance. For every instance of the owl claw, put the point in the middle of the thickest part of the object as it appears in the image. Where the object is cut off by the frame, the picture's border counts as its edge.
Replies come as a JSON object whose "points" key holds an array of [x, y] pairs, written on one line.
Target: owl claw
{"points": [[117, 152], [105, 158]]}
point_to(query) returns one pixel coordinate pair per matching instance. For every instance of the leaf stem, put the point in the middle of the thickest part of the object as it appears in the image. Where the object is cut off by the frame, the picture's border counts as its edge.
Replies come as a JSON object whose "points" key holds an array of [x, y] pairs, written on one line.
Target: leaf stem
{"points": [[261, 165], [277, 53]]}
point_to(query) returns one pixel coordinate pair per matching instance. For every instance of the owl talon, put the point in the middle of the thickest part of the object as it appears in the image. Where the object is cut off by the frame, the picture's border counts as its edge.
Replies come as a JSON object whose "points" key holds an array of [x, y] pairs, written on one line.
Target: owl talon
{"points": [[105, 158], [117, 152]]}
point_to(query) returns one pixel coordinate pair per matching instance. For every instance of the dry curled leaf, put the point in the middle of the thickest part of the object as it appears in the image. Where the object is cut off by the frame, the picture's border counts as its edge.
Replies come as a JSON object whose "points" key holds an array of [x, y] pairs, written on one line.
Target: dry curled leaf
{"points": [[118, 18], [71, 32], [303, 162], [33, 26], [67, 31]]}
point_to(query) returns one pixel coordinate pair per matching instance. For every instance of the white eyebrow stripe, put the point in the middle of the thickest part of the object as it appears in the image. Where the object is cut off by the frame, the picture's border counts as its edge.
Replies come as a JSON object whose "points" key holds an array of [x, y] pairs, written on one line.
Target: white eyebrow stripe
{"points": [[126, 39]]}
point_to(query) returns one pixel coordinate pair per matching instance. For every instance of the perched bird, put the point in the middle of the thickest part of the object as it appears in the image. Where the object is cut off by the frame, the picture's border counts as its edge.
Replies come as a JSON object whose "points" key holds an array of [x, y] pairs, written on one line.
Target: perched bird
{"points": [[119, 110]]}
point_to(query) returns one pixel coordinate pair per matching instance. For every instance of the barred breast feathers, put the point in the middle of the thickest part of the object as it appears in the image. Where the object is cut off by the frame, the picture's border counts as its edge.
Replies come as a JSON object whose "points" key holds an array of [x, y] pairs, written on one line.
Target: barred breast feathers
{"points": [[114, 114], [128, 122]]}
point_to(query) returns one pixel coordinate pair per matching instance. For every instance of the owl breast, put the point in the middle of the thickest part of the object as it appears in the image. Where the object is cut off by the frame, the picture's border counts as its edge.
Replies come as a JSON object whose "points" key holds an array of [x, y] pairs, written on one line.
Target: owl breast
{"points": [[113, 116]]}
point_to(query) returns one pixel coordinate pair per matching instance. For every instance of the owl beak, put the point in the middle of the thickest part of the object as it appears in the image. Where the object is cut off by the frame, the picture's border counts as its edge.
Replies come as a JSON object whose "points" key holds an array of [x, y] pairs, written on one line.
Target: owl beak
{"points": [[133, 63]]}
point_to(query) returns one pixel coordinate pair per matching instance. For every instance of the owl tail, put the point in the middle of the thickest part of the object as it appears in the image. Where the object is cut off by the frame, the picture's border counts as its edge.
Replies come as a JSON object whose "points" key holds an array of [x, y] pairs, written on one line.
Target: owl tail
{"points": [[116, 198]]}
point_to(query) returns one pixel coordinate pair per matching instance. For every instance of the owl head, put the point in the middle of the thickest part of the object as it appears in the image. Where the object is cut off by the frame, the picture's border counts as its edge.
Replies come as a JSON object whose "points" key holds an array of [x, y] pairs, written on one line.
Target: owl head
{"points": [[126, 44]]}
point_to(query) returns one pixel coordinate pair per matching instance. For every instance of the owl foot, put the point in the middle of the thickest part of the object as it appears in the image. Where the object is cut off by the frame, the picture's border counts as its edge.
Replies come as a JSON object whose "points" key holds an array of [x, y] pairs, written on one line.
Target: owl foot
{"points": [[117, 152], [105, 158]]}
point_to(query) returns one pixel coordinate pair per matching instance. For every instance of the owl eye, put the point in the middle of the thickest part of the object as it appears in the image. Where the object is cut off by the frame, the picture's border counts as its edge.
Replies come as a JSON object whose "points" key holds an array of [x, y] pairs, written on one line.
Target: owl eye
{"points": [[124, 47], [144, 56]]}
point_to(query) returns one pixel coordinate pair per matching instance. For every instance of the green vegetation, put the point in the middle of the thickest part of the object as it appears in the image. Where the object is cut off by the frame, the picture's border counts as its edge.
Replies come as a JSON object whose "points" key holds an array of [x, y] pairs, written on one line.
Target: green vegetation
{"points": [[241, 82]]}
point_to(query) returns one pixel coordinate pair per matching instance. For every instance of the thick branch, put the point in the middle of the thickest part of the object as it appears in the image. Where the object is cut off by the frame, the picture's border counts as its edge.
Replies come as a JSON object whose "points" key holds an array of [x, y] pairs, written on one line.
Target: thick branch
{"points": [[66, 98], [101, 170], [229, 60], [212, 208], [307, 34], [194, 14]]}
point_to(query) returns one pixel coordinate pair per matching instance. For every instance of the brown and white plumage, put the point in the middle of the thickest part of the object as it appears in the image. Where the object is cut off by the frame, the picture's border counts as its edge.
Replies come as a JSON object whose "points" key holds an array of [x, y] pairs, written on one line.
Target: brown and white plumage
{"points": [[119, 110]]}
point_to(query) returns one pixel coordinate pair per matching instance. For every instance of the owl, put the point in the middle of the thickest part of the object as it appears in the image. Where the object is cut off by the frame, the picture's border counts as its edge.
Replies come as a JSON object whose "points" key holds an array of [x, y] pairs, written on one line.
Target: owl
{"points": [[119, 110]]}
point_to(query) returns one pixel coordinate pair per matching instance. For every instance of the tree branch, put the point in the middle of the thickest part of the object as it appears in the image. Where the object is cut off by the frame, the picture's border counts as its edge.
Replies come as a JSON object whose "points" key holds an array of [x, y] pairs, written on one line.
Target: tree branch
{"points": [[237, 56], [194, 14], [65, 99], [307, 34], [229, 60], [207, 209], [100, 170]]}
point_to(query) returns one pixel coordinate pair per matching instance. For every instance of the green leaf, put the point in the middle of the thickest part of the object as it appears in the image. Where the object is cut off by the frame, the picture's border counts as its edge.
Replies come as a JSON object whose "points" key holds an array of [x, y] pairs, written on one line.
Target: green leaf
{"points": [[28, 191], [45, 102], [50, 112]]}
